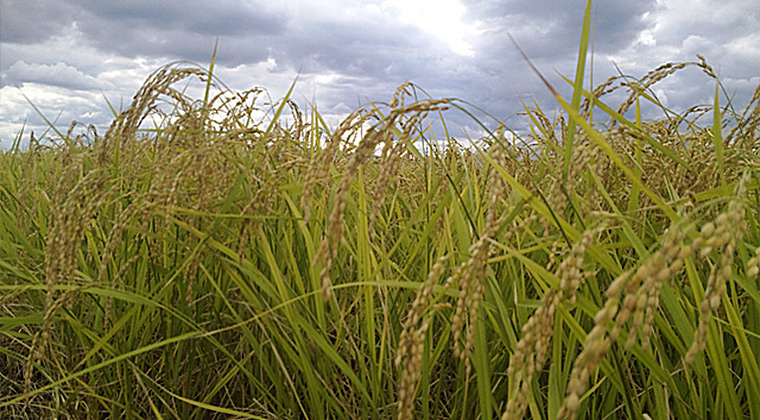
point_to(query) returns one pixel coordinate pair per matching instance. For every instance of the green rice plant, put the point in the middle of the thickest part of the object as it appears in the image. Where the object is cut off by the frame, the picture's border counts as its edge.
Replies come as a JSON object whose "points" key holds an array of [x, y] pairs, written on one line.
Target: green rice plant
{"points": [[207, 259]]}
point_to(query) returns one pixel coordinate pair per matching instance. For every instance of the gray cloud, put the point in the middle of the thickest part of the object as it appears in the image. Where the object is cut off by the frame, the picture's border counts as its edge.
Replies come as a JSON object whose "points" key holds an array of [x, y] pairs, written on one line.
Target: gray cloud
{"points": [[348, 52], [60, 74], [221, 17], [27, 22], [546, 28]]}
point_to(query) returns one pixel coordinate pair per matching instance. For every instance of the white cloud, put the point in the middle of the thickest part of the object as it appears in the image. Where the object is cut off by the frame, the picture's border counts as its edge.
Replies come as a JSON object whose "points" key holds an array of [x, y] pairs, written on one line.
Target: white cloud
{"points": [[60, 106], [444, 19], [59, 74], [746, 47], [646, 38]]}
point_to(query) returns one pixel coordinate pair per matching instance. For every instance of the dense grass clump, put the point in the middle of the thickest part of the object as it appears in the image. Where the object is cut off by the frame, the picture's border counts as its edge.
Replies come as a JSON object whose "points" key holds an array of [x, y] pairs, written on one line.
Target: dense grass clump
{"points": [[226, 264]]}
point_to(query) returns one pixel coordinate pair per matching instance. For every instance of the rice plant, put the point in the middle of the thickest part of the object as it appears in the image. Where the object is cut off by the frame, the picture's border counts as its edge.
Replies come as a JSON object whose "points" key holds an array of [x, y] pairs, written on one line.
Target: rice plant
{"points": [[211, 258]]}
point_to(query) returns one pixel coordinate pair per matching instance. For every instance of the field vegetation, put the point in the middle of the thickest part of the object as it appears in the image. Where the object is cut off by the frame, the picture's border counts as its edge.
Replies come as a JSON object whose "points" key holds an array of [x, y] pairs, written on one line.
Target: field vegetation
{"points": [[227, 262]]}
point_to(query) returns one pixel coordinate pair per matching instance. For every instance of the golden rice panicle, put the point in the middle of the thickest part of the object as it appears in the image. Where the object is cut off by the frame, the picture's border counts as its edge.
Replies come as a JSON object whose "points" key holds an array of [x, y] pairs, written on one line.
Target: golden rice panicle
{"points": [[421, 302], [657, 75], [569, 271], [557, 201], [411, 343], [530, 353], [753, 265], [706, 67], [320, 167], [473, 272], [124, 128], [389, 166], [470, 293], [328, 249], [75, 206], [532, 349], [670, 262], [260, 200], [381, 132], [559, 249], [743, 133], [110, 251], [648, 80], [642, 290], [399, 96], [595, 347], [269, 177], [586, 157], [722, 235], [411, 375]]}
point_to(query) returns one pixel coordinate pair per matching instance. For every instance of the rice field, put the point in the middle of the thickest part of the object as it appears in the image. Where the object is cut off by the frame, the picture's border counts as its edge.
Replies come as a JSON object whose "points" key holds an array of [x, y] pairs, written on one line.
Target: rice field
{"points": [[197, 261]]}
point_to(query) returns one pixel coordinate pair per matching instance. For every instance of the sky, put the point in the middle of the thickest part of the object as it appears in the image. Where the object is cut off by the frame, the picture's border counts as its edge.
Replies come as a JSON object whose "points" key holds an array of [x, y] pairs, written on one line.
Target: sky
{"points": [[70, 58]]}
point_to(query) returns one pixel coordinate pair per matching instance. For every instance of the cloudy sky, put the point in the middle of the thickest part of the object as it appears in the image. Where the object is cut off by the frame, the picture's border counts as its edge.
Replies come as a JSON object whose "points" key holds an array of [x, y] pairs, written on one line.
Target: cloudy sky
{"points": [[68, 56]]}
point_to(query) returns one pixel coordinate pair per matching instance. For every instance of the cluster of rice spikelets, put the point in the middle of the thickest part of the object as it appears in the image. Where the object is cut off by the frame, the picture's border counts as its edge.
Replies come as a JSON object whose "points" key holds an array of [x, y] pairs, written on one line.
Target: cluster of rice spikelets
{"points": [[411, 343], [202, 198], [531, 351], [78, 200], [641, 291], [470, 275], [188, 167], [381, 133], [722, 236], [753, 265]]}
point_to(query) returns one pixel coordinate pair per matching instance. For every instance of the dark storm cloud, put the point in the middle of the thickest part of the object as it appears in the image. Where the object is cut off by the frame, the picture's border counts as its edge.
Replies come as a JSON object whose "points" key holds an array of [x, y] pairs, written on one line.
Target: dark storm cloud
{"points": [[220, 17], [185, 30], [25, 21], [548, 28], [177, 29]]}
